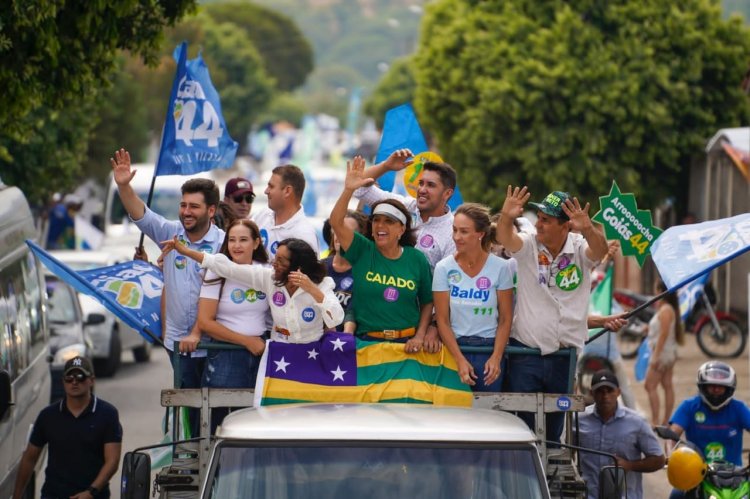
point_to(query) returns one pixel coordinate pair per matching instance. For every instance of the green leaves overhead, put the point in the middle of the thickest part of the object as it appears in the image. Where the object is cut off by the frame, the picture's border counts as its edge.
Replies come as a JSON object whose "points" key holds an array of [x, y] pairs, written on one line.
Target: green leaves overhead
{"points": [[571, 95]]}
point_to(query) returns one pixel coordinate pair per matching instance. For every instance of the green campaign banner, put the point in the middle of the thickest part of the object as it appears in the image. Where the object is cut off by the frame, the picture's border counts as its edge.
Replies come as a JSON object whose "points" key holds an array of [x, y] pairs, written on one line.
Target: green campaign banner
{"points": [[621, 218]]}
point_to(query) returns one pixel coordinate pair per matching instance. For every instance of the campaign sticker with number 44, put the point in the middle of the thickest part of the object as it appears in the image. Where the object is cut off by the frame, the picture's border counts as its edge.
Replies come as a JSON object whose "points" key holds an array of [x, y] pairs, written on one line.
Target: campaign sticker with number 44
{"points": [[622, 220]]}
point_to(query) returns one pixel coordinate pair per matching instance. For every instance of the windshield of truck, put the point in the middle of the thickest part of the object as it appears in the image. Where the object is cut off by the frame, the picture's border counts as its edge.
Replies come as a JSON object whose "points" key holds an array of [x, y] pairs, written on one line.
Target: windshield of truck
{"points": [[166, 203], [375, 472]]}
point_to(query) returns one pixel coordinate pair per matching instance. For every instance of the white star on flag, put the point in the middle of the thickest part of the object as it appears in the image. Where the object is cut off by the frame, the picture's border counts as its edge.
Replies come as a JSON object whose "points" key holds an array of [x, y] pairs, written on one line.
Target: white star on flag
{"points": [[281, 365], [312, 354], [338, 345], [338, 374]]}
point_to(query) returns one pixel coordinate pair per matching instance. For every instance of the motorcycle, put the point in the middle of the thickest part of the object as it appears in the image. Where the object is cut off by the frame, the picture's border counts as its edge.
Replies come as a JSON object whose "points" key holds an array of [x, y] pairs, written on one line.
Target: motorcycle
{"points": [[723, 480], [719, 334]]}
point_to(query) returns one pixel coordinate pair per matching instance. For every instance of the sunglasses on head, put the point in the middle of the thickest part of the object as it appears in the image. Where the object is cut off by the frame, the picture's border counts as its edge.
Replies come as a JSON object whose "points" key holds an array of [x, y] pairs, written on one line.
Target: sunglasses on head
{"points": [[80, 377], [247, 197]]}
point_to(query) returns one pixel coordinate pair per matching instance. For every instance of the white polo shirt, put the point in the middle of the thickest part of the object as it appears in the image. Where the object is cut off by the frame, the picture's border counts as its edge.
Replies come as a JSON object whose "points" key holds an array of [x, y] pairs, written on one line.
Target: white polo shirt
{"points": [[298, 226], [434, 237], [552, 294]]}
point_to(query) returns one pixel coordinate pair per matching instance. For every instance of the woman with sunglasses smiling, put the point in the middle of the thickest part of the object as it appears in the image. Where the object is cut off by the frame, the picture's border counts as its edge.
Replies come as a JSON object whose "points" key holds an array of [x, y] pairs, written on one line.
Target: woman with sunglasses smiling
{"points": [[301, 296], [392, 290]]}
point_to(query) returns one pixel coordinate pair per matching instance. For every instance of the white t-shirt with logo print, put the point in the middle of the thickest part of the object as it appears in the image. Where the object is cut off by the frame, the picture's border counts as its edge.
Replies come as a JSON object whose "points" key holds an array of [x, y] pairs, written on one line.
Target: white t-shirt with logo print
{"points": [[299, 313], [241, 308], [473, 300]]}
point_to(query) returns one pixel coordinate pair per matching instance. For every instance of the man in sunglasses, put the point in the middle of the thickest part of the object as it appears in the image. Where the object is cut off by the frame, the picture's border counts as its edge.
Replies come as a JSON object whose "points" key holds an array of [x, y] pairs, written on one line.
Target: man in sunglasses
{"points": [[238, 193], [84, 437]]}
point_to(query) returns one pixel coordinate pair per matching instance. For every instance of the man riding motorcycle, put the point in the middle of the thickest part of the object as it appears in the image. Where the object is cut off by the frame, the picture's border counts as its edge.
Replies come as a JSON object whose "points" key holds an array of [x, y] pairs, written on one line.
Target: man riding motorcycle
{"points": [[713, 420]]}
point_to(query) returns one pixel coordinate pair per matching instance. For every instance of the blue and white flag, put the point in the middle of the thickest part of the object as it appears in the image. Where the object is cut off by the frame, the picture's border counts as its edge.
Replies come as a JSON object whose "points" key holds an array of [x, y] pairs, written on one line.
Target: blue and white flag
{"points": [[690, 294], [130, 290], [685, 252], [401, 130], [195, 136]]}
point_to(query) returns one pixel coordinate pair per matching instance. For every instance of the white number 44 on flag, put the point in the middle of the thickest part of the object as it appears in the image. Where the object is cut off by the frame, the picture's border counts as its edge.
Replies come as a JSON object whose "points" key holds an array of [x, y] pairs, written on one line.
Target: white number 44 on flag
{"points": [[209, 129]]}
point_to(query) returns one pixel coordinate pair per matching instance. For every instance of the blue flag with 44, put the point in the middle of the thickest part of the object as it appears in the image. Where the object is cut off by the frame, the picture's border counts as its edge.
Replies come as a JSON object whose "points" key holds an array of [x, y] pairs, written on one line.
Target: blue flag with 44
{"points": [[130, 290], [195, 137]]}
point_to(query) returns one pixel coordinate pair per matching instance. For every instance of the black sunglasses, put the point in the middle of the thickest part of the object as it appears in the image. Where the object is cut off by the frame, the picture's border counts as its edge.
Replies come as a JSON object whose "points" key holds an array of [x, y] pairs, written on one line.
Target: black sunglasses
{"points": [[247, 197], [80, 377]]}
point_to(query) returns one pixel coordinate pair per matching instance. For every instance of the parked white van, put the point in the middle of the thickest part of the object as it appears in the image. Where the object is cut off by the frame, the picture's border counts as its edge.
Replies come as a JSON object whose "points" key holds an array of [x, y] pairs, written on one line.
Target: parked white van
{"points": [[24, 342]]}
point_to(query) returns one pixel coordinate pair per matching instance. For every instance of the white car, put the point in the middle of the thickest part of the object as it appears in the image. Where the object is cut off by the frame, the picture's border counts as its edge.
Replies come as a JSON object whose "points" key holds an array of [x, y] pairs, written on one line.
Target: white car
{"points": [[108, 335]]}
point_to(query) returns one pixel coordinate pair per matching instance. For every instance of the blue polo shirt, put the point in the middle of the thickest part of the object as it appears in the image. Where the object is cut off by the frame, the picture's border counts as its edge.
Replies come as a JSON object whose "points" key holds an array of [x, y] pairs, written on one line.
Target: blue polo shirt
{"points": [[627, 435], [76, 445], [182, 276], [717, 433]]}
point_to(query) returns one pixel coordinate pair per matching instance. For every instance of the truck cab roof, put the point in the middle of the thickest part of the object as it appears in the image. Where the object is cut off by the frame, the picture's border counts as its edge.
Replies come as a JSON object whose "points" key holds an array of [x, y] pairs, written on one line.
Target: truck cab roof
{"points": [[372, 422]]}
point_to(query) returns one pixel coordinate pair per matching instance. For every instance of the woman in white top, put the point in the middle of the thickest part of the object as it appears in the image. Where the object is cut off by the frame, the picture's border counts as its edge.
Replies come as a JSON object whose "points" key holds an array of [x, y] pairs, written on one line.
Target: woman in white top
{"points": [[473, 294], [232, 312], [300, 294], [665, 332]]}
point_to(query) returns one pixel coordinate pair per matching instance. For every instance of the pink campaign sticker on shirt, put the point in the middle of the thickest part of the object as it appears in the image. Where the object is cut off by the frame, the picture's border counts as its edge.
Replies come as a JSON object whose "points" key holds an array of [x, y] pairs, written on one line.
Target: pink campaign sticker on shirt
{"points": [[426, 241], [390, 294], [483, 283], [279, 299]]}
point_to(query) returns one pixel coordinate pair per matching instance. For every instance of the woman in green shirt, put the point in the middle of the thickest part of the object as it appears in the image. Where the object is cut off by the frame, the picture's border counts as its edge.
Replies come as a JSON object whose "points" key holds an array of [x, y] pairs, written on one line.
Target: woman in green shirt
{"points": [[392, 295]]}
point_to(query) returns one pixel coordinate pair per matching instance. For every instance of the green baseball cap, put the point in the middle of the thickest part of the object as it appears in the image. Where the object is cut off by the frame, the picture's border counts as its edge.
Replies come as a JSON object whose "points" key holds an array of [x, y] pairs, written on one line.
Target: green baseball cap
{"points": [[552, 204]]}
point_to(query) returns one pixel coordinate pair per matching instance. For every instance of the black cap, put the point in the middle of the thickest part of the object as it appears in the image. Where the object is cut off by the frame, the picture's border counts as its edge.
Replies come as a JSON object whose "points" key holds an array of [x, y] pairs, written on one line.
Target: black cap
{"points": [[79, 364], [604, 377]]}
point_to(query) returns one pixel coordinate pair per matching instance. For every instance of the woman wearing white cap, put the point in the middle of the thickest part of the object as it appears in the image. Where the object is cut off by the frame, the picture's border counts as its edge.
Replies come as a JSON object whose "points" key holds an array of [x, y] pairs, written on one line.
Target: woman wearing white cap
{"points": [[392, 295]]}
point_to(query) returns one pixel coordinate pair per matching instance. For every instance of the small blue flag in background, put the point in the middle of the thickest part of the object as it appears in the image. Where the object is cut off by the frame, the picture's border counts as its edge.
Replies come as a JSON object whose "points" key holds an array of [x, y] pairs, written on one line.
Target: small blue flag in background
{"points": [[401, 130], [195, 137], [685, 252], [130, 290]]}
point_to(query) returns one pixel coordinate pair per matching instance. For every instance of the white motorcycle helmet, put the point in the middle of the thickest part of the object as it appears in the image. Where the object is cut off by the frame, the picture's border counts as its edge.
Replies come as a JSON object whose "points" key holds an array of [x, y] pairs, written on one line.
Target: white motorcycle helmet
{"points": [[716, 373]]}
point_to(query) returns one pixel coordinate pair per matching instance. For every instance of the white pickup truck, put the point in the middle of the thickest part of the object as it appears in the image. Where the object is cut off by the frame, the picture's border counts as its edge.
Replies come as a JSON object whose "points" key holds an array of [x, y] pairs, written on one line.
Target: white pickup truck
{"points": [[357, 451]]}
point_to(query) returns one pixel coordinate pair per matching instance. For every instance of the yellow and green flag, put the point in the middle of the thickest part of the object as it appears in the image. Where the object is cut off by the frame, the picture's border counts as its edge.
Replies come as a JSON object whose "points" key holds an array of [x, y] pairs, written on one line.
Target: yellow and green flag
{"points": [[342, 368]]}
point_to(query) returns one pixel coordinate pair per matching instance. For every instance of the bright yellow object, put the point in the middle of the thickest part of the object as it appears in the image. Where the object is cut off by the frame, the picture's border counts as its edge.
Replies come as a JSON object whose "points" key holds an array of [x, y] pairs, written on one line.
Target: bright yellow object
{"points": [[686, 468], [413, 171]]}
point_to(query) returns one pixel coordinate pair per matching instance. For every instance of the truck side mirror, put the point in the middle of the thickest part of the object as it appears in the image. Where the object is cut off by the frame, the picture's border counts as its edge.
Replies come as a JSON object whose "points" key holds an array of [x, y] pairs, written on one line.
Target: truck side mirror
{"points": [[611, 482], [5, 395], [136, 476]]}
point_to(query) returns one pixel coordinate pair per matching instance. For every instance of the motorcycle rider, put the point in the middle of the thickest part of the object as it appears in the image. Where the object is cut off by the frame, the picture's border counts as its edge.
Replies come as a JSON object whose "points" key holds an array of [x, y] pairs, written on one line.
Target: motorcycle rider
{"points": [[713, 420]]}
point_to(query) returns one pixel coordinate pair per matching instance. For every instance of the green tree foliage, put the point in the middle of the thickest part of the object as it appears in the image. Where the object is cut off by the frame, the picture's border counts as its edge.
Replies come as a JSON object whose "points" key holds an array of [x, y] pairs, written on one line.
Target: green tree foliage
{"points": [[121, 122], [287, 55], [570, 95], [284, 107], [358, 35], [58, 51], [395, 88]]}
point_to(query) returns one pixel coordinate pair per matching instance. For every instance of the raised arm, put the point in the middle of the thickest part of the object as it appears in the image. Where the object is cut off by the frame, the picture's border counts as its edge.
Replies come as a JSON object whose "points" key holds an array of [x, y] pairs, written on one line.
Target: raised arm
{"points": [[515, 198], [397, 161], [355, 179], [580, 221], [251, 275], [122, 174]]}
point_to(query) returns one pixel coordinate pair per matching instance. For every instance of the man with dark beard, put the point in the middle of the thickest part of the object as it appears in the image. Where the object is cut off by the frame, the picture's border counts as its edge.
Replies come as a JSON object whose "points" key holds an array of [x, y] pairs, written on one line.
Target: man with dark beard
{"points": [[182, 277]]}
